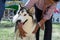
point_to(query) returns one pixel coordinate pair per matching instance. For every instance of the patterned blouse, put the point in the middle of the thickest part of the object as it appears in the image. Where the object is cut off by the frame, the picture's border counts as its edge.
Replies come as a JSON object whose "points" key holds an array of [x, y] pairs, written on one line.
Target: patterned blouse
{"points": [[39, 4]]}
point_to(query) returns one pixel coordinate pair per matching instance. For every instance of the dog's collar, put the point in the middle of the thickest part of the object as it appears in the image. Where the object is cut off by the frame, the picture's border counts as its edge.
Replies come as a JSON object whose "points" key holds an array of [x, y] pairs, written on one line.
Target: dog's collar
{"points": [[25, 21]]}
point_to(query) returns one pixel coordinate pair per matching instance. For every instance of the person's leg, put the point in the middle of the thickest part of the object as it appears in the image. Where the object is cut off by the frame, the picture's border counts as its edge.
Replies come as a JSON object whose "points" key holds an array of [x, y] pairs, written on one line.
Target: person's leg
{"points": [[37, 34], [38, 14], [48, 30], [2, 7]]}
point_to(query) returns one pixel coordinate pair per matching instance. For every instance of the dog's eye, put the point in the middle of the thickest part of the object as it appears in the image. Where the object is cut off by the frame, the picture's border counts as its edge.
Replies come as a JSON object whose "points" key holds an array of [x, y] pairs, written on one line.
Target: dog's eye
{"points": [[22, 11], [19, 14], [25, 14]]}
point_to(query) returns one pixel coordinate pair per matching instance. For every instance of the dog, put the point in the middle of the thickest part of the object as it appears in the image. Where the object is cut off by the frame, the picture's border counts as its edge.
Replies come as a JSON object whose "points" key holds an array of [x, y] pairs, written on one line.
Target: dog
{"points": [[29, 24]]}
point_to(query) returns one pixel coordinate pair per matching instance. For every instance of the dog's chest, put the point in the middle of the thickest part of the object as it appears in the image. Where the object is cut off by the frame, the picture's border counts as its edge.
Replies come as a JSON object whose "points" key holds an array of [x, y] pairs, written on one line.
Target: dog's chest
{"points": [[28, 26]]}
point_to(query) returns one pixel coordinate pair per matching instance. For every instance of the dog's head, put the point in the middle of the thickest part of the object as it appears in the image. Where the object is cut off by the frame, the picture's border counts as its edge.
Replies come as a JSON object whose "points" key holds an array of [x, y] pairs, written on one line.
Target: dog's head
{"points": [[23, 15]]}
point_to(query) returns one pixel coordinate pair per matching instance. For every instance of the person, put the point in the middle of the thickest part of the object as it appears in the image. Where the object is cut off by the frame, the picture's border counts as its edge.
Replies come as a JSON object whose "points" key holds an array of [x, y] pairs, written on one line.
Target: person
{"points": [[43, 11], [2, 7]]}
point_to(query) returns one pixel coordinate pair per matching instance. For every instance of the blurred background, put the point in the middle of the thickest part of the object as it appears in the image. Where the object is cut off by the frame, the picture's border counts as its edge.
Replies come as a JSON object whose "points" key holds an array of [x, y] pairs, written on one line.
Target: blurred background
{"points": [[7, 27]]}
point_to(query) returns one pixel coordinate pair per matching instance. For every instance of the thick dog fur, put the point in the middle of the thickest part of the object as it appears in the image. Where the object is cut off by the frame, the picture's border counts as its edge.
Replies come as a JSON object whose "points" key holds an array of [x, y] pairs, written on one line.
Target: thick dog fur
{"points": [[28, 26]]}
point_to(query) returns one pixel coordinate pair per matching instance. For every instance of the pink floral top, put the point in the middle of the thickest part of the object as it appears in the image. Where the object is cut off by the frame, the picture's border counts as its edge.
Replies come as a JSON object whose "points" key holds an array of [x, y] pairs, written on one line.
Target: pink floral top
{"points": [[39, 4]]}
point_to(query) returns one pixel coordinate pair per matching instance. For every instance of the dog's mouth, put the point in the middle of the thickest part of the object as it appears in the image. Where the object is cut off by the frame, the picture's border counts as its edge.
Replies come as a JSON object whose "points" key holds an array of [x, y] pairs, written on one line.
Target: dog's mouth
{"points": [[22, 22], [25, 21]]}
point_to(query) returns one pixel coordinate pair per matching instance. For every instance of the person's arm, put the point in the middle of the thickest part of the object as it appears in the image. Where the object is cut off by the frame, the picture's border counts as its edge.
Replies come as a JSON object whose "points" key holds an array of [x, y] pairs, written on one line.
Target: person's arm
{"points": [[47, 16], [21, 31], [30, 3]]}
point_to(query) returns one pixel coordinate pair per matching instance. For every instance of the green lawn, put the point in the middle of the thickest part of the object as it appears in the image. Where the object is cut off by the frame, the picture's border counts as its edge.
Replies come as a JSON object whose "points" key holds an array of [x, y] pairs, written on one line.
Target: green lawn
{"points": [[55, 33], [8, 33]]}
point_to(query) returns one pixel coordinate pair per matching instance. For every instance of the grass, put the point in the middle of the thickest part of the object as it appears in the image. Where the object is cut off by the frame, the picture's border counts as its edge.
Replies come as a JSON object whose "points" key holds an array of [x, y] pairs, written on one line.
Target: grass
{"points": [[55, 32], [7, 33], [6, 30]]}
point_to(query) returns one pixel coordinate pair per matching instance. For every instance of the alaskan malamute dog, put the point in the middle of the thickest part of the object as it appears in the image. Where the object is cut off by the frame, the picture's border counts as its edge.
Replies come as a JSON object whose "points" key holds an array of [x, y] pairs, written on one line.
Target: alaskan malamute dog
{"points": [[28, 21]]}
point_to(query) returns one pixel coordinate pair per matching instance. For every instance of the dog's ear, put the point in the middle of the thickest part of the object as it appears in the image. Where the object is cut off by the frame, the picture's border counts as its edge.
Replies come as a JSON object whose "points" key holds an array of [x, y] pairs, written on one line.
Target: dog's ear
{"points": [[21, 5]]}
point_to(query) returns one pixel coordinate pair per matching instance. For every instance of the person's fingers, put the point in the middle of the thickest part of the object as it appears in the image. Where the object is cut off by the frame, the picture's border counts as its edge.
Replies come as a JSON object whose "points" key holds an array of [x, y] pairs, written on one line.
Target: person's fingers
{"points": [[23, 33], [42, 27], [20, 35], [41, 24], [33, 32]]}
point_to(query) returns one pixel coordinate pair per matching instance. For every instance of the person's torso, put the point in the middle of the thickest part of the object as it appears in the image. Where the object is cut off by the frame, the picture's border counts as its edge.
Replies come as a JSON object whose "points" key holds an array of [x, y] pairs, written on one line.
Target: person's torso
{"points": [[40, 4]]}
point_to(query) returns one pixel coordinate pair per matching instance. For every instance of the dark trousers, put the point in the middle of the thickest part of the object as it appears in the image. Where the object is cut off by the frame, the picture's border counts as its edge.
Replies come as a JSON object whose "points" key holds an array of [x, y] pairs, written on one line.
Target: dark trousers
{"points": [[48, 25], [2, 8]]}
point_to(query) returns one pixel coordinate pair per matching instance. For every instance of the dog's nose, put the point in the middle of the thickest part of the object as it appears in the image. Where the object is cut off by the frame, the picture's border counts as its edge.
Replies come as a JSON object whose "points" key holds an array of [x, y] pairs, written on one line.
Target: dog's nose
{"points": [[18, 21]]}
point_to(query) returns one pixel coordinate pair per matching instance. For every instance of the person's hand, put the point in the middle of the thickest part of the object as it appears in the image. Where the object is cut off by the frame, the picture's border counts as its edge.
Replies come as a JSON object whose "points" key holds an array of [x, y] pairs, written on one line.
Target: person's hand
{"points": [[41, 23], [22, 32], [42, 27], [36, 28]]}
